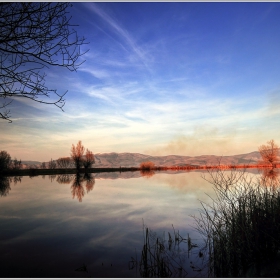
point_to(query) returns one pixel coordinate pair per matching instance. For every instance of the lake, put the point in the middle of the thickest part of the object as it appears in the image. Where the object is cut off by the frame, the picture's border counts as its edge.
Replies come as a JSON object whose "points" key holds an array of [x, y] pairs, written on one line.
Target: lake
{"points": [[62, 226]]}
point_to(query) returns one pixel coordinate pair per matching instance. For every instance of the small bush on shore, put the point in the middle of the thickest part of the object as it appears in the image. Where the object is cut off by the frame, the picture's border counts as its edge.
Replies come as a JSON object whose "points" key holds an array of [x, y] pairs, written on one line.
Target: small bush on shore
{"points": [[147, 165]]}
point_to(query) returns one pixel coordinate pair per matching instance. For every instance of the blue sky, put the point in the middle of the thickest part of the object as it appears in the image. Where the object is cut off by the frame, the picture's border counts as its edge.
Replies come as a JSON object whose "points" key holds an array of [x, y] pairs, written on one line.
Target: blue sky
{"points": [[160, 78]]}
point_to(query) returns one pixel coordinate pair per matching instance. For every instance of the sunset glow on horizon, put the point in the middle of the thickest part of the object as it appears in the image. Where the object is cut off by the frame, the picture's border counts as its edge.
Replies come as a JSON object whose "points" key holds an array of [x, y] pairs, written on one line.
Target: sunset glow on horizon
{"points": [[185, 78]]}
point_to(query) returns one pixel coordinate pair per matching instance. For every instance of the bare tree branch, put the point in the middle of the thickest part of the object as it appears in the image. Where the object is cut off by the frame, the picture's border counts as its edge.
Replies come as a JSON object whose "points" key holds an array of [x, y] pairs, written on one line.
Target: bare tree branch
{"points": [[34, 36]]}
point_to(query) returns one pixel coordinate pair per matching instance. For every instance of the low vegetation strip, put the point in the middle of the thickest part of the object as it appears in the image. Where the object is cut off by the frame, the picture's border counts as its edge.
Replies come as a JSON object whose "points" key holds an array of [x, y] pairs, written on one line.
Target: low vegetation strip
{"points": [[35, 172]]}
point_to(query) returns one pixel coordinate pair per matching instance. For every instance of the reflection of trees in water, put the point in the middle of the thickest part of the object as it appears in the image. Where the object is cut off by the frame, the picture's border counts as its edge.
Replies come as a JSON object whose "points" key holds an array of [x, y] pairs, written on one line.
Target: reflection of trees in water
{"points": [[5, 184], [77, 188], [78, 182], [90, 181], [270, 177], [147, 173], [64, 178], [52, 177]]}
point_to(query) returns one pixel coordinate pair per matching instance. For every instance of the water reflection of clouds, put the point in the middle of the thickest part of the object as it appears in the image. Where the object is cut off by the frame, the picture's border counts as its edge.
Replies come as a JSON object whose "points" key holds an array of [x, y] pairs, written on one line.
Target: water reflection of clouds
{"points": [[105, 227]]}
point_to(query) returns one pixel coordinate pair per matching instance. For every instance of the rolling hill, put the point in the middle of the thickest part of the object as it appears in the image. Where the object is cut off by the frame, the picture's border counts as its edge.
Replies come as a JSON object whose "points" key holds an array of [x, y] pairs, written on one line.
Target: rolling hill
{"points": [[135, 159]]}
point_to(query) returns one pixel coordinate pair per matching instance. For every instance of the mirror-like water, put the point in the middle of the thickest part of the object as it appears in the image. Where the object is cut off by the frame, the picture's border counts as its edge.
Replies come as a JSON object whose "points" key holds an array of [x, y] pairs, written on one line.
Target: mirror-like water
{"points": [[53, 225]]}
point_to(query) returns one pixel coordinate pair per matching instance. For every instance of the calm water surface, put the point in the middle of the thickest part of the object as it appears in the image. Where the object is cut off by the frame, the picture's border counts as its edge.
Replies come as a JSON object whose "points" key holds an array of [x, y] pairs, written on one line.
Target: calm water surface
{"points": [[51, 226]]}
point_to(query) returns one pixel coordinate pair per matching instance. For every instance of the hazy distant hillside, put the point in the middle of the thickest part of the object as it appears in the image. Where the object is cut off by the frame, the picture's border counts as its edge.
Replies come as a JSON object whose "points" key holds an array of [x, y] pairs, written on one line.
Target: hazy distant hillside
{"points": [[134, 160], [30, 163]]}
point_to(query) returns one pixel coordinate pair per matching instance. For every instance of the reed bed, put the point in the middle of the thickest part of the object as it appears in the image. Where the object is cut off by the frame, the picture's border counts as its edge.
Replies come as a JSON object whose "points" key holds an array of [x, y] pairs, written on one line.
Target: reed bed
{"points": [[241, 226], [168, 257]]}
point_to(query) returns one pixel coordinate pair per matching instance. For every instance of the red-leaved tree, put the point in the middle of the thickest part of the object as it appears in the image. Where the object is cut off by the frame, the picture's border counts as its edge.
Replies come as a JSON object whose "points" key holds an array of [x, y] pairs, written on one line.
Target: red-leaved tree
{"points": [[270, 152], [77, 154]]}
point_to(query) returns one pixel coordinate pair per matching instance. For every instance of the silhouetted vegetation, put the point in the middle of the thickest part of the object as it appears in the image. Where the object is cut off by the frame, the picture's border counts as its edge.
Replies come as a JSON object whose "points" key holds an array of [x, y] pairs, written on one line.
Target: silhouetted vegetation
{"points": [[51, 164], [77, 155], [6, 163], [5, 160], [34, 36], [241, 226], [166, 258], [16, 164], [89, 159], [5, 184], [65, 162]]}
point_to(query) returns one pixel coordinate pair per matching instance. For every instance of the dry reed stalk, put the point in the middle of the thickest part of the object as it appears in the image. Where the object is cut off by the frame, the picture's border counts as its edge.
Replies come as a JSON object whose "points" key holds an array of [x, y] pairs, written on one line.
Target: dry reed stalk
{"points": [[242, 225]]}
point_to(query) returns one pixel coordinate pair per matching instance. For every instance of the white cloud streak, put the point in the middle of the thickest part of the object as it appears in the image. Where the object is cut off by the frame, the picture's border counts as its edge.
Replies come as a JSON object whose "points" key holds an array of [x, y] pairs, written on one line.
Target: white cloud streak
{"points": [[116, 27]]}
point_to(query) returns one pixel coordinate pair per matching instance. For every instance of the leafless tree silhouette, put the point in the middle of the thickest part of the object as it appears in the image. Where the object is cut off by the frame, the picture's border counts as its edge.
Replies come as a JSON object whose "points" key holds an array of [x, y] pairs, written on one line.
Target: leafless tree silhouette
{"points": [[52, 164], [89, 159], [34, 36], [65, 162]]}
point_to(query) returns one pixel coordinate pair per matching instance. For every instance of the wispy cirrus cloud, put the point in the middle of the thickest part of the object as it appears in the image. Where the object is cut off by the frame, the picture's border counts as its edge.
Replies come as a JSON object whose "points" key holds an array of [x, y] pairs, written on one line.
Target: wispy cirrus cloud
{"points": [[95, 72], [121, 32]]}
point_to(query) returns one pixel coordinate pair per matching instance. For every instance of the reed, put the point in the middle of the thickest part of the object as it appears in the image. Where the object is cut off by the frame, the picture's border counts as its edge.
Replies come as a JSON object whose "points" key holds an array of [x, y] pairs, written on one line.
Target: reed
{"points": [[166, 257], [241, 226]]}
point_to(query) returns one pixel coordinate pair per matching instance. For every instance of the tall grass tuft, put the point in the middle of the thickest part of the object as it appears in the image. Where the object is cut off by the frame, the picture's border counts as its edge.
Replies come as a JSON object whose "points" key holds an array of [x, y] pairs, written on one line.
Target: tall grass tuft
{"points": [[241, 226]]}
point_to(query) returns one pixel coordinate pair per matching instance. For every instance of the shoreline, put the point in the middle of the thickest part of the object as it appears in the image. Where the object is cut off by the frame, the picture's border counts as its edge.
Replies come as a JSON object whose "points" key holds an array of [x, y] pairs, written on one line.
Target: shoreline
{"points": [[37, 172]]}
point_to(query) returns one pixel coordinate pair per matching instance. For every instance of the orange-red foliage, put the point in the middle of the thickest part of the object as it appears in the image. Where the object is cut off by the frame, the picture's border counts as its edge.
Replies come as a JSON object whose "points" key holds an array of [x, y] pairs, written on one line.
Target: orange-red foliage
{"points": [[147, 165], [147, 173], [270, 177], [90, 185], [77, 188], [89, 159], [269, 152], [77, 153]]}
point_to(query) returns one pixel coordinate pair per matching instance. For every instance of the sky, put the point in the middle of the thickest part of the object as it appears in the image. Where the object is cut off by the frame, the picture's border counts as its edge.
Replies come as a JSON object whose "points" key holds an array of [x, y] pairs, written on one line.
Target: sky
{"points": [[162, 78]]}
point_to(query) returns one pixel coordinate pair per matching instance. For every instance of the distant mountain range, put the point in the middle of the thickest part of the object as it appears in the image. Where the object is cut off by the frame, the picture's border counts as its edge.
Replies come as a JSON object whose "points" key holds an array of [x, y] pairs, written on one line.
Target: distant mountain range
{"points": [[135, 159]]}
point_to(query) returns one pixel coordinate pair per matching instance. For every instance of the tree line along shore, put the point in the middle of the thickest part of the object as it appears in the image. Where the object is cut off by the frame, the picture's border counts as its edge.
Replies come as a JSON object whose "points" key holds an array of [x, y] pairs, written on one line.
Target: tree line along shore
{"points": [[81, 161], [36, 172]]}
